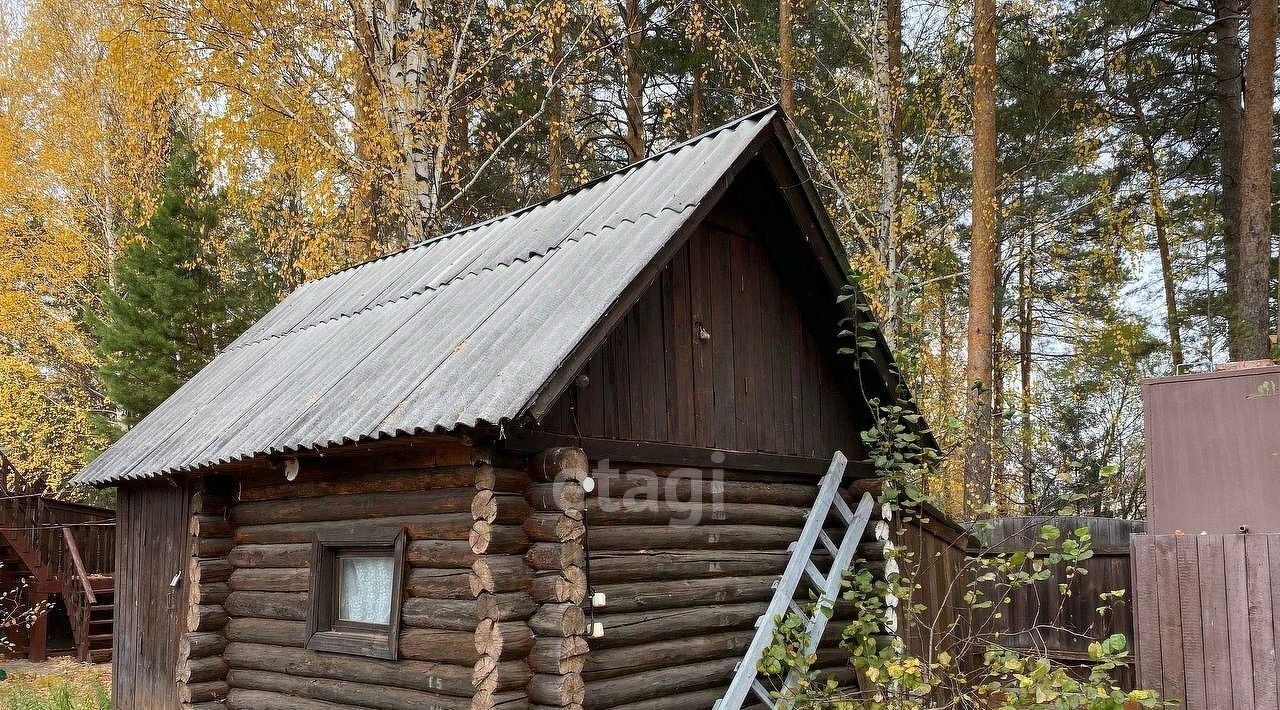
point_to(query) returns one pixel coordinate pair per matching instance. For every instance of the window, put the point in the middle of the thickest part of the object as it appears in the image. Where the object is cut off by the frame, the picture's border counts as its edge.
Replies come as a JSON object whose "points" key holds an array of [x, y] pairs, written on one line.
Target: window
{"points": [[356, 582]]}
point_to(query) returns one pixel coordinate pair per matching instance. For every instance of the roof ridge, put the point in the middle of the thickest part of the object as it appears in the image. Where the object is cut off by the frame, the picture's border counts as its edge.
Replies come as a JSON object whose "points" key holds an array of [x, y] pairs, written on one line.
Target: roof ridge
{"points": [[567, 193]]}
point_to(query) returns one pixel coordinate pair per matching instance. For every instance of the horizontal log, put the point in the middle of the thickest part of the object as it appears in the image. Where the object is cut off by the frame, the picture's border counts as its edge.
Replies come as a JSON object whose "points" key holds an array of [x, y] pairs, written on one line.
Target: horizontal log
{"points": [[556, 497], [291, 606], [702, 537], [663, 485], [200, 644], [380, 697], [213, 547], [559, 620], [627, 660], [556, 690], [569, 585], [511, 606], [498, 574], [639, 627], [686, 593], [445, 526], [202, 692], [260, 556], [204, 571], [208, 617], [443, 678], [465, 614], [490, 677], [211, 594], [274, 632], [241, 699], [441, 553], [497, 507], [209, 526], [557, 655], [554, 555], [497, 478], [561, 462], [697, 699], [612, 511], [355, 506], [436, 583], [271, 579], [211, 502], [207, 705], [656, 565], [201, 670], [496, 539], [441, 646], [554, 527], [503, 640], [660, 683]]}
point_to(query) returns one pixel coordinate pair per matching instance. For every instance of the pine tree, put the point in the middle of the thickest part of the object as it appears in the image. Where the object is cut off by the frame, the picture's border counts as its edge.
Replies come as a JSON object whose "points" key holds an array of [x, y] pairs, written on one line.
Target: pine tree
{"points": [[186, 286]]}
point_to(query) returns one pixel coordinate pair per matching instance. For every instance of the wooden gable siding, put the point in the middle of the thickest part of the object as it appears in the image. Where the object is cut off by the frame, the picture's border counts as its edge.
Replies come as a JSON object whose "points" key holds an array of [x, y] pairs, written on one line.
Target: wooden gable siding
{"points": [[151, 548], [759, 382]]}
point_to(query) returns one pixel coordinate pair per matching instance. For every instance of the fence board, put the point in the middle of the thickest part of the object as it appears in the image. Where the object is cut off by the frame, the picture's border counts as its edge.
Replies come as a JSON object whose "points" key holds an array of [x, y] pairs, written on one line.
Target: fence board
{"points": [[1207, 618]]}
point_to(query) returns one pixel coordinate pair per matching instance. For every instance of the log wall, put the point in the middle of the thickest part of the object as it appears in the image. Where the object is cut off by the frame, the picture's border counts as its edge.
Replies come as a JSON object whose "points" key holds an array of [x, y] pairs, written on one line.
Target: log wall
{"points": [[682, 600], [463, 633]]}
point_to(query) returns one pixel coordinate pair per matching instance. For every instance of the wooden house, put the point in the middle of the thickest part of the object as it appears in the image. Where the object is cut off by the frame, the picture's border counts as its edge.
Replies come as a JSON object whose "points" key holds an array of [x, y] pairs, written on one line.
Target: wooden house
{"points": [[355, 505], [60, 555]]}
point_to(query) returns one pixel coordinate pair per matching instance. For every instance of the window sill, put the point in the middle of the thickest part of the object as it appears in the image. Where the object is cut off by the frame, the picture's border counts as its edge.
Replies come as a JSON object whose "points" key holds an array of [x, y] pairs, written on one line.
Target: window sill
{"points": [[370, 645]]}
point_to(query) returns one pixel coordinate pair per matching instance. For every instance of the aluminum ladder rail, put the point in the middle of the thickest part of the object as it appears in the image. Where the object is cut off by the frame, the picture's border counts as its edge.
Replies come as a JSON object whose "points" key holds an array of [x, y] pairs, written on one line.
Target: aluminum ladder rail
{"points": [[799, 568]]}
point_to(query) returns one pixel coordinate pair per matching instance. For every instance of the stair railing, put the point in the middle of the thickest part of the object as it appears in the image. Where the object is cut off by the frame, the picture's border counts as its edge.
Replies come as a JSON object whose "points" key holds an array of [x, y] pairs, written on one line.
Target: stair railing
{"points": [[803, 567], [77, 593]]}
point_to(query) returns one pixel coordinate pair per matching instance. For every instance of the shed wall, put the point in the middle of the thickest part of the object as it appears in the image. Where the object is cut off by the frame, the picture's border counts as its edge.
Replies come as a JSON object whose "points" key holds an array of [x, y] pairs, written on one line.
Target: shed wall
{"points": [[463, 517], [1213, 459], [717, 353], [151, 548]]}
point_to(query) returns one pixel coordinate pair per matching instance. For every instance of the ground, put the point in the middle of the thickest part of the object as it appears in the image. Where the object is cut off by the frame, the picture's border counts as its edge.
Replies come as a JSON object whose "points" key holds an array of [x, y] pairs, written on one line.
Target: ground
{"points": [[56, 684]]}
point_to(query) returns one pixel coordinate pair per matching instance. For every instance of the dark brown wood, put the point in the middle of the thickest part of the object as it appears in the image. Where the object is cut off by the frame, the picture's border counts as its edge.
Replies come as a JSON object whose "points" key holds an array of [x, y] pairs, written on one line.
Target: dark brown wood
{"points": [[151, 552]]}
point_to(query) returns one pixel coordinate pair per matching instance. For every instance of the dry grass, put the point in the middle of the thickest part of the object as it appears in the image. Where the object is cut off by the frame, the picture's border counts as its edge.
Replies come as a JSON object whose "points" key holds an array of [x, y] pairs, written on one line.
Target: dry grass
{"points": [[57, 684]]}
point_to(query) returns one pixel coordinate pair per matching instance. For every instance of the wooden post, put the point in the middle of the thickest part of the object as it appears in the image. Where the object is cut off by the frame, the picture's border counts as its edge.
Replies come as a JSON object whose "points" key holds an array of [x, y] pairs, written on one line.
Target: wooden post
{"points": [[556, 523], [37, 649]]}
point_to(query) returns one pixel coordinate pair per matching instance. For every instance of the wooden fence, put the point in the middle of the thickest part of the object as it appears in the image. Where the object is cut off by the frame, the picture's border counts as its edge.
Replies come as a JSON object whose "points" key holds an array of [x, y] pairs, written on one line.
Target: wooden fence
{"points": [[1206, 618], [1039, 619]]}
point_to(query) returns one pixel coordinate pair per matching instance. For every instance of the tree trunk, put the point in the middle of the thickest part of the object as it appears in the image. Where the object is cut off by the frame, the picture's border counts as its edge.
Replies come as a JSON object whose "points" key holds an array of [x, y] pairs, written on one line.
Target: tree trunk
{"points": [[786, 93], [1229, 94], [1026, 275], [982, 260], [366, 195], [887, 61], [1159, 220], [634, 22], [1255, 180], [555, 106]]}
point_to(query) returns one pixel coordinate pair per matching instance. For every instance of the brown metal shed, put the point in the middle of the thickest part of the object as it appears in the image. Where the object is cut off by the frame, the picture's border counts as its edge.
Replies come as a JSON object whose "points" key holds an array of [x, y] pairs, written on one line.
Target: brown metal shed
{"points": [[1213, 457]]}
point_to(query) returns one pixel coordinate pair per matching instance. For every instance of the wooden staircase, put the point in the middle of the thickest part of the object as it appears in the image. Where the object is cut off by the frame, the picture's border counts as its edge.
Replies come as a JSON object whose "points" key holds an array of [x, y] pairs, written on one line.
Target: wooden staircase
{"points": [[69, 550]]}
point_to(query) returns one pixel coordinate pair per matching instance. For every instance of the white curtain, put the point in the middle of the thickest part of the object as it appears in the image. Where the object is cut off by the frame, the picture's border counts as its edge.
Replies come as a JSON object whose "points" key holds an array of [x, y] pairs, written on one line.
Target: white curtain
{"points": [[365, 594]]}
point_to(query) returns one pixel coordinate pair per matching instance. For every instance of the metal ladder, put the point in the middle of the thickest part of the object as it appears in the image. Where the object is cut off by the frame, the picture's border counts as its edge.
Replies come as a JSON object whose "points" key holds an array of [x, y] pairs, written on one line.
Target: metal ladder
{"points": [[802, 567]]}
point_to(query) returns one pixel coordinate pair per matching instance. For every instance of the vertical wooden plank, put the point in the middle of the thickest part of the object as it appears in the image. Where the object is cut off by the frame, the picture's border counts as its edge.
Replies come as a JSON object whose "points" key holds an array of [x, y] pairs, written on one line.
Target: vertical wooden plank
{"points": [[1170, 618], [1213, 620], [681, 343], [1261, 636], [745, 308], [1188, 581], [721, 341], [1238, 645], [700, 314]]}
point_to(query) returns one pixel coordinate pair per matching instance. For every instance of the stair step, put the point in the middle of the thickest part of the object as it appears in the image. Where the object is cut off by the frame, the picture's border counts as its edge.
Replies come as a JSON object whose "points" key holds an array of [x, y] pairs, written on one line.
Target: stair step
{"points": [[102, 607], [99, 637], [99, 655]]}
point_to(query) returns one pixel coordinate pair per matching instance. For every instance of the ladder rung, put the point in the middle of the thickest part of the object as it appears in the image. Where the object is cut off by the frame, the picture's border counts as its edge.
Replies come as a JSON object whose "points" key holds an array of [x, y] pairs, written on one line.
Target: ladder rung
{"points": [[816, 578], [843, 509], [763, 693], [828, 543]]}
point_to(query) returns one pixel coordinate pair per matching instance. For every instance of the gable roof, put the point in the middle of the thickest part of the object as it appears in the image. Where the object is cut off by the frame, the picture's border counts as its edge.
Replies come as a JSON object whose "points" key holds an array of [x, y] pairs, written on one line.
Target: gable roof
{"points": [[462, 330]]}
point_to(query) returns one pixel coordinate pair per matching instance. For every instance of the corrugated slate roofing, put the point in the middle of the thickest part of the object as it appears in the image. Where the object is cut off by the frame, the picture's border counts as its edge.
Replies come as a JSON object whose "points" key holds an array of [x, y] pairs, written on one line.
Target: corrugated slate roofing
{"points": [[461, 330]]}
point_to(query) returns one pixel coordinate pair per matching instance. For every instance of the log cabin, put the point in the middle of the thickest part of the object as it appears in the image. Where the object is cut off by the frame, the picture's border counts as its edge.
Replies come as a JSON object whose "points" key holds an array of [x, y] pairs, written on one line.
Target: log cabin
{"points": [[552, 460]]}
